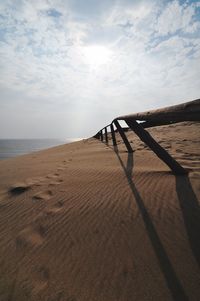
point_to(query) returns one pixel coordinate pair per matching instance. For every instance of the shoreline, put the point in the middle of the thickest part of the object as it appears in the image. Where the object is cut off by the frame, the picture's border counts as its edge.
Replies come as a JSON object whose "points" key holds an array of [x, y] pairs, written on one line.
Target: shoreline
{"points": [[12, 148]]}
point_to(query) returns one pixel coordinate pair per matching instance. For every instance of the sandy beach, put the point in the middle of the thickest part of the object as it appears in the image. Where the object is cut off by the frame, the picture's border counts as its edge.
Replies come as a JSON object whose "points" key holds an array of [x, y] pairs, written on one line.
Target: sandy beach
{"points": [[86, 222]]}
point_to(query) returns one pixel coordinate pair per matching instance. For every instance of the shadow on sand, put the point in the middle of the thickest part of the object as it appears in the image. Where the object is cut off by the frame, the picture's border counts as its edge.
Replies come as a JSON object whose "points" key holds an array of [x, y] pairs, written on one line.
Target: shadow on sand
{"points": [[191, 213], [173, 283]]}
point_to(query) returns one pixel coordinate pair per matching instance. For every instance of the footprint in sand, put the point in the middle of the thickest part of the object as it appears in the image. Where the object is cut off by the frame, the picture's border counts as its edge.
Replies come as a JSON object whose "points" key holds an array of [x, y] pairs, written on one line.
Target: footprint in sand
{"points": [[19, 188], [52, 176], [37, 181], [55, 209], [32, 235], [56, 182], [60, 168], [43, 195], [49, 176]]}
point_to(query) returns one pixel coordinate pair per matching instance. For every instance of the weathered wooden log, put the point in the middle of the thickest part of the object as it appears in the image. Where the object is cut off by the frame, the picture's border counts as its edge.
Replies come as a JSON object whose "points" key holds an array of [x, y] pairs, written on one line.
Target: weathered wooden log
{"points": [[124, 138], [188, 111], [101, 135], [106, 134], [157, 148], [152, 123], [113, 134]]}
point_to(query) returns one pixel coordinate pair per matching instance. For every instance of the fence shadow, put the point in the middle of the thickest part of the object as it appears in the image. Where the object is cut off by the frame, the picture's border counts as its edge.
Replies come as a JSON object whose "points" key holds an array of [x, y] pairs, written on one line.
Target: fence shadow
{"points": [[191, 213], [173, 283]]}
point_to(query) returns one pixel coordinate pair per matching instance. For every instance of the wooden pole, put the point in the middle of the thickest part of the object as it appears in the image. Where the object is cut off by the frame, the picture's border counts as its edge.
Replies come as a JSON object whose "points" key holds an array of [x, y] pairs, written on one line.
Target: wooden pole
{"points": [[157, 149], [106, 134], [101, 135], [113, 135], [124, 138], [188, 111]]}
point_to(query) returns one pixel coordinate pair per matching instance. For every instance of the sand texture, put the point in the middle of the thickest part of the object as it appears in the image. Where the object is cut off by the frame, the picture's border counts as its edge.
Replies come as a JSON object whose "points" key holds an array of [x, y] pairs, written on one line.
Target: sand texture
{"points": [[85, 222]]}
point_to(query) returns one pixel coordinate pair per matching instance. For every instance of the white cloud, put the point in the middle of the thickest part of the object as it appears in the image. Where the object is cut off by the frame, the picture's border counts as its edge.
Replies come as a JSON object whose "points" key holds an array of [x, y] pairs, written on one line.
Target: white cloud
{"points": [[155, 59], [177, 17]]}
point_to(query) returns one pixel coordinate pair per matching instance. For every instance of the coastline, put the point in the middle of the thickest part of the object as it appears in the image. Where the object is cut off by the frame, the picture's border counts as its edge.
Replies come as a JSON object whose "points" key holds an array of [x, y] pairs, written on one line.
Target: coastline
{"points": [[11, 148]]}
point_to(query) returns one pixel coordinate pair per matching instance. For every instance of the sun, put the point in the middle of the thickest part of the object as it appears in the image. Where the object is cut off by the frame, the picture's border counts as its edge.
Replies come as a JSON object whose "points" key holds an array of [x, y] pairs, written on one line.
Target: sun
{"points": [[96, 56]]}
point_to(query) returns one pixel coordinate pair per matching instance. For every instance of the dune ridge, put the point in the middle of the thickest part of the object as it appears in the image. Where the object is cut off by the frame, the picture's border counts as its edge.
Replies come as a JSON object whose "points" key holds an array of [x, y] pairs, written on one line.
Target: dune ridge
{"points": [[86, 221]]}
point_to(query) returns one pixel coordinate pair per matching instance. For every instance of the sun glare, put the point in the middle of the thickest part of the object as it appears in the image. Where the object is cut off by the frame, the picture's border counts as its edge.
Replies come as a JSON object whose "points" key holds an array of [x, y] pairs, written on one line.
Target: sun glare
{"points": [[96, 56]]}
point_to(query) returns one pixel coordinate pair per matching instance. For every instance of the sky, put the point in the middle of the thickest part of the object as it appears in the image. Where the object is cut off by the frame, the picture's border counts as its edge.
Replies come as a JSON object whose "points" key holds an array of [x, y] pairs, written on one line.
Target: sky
{"points": [[69, 67]]}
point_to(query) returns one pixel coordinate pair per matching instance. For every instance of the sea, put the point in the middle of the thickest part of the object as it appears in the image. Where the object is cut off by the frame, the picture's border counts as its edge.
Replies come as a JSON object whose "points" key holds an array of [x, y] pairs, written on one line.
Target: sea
{"points": [[10, 148]]}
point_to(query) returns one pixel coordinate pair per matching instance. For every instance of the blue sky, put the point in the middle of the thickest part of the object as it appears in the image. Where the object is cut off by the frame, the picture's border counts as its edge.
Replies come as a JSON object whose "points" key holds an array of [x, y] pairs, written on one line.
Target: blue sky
{"points": [[68, 67]]}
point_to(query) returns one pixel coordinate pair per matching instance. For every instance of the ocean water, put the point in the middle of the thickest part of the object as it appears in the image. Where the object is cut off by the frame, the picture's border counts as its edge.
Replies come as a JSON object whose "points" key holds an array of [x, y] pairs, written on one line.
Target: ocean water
{"points": [[10, 148]]}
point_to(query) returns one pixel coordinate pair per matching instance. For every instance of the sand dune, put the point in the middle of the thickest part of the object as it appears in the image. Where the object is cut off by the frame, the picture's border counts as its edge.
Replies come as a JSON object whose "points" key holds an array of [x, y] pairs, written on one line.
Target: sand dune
{"points": [[85, 222]]}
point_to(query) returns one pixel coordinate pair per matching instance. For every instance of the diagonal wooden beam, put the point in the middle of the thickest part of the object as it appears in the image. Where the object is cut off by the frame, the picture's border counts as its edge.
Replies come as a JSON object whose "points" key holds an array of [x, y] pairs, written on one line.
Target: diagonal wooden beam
{"points": [[124, 138], [156, 148]]}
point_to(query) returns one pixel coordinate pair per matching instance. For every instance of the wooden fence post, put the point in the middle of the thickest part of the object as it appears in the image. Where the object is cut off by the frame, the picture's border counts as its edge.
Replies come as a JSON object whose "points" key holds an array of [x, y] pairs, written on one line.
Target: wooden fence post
{"points": [[124, 138], [157, 148], [106, 135], [113, 135], [101, 135]]}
